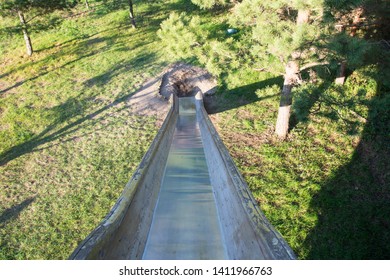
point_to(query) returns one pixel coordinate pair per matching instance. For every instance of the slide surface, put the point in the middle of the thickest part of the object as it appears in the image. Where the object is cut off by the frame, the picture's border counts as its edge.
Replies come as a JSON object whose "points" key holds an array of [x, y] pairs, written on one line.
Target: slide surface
{"points": [[186, 200]]}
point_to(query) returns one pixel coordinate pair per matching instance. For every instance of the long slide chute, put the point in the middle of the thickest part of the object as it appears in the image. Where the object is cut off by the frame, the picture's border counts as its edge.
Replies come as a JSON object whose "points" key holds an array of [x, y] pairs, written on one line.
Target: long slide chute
{"points": [[186, 200]]}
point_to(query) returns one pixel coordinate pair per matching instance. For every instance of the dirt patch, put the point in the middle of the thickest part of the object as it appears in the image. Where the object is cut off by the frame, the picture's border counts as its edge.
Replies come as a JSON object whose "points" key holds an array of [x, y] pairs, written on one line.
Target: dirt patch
{"points": [[154, 97], [147, 101], [186, 80]]}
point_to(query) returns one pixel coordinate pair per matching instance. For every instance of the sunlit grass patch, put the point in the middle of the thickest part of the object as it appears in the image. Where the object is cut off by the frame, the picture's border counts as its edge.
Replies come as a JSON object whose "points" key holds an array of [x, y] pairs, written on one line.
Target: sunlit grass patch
{"points": [[319, 188], [68, 141]]}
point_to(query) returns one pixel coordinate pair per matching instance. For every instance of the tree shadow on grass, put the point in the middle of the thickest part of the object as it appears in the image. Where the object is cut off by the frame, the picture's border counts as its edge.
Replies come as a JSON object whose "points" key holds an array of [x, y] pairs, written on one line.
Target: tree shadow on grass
{"points": [[74, 107], [304, 104], [240, 96], [82, 38], [353, 205], [44, 73], [148, 18], [14, 211], [79, 50], [99, 80], [34, 25]]}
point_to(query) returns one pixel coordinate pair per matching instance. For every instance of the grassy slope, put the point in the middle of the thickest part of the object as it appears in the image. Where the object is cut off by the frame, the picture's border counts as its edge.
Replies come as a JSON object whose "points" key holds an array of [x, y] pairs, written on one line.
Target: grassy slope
{"points": [[69, 151], [67, 142], [326, 188]]}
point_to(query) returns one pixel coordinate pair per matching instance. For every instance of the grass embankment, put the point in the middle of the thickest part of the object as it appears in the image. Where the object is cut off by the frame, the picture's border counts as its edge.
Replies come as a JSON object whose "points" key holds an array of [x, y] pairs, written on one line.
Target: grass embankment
{"points": [[326, 188], [68, 143]]}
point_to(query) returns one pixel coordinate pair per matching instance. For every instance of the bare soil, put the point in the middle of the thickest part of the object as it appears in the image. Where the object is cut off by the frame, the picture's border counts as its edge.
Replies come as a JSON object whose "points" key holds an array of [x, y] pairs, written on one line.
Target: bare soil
{"points": [[154, 97]]}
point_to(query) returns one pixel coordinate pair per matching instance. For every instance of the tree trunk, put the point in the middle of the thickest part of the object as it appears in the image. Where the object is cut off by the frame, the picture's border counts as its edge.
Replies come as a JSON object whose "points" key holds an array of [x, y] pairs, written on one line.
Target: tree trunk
{"points": [[343, 65], [290, 78], [358, 12], [303, 16], [25, 33], [87, 5], [131, 12], [341, 75]]}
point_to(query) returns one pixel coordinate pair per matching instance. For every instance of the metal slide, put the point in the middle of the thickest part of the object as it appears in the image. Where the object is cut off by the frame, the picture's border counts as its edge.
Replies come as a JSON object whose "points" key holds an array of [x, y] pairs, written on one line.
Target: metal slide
{"points": [[186, 200]]}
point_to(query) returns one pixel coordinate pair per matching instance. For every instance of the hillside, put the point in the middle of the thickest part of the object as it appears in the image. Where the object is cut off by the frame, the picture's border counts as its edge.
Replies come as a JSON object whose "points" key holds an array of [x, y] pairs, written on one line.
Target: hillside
{"points": [[69, 139]]}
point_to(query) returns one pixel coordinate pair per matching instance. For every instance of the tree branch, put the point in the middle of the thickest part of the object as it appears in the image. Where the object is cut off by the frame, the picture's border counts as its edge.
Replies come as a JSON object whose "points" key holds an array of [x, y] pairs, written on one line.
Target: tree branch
{"points": [[264, 69], [38, 15], [312, 64], [358, 24], [260, 69]]}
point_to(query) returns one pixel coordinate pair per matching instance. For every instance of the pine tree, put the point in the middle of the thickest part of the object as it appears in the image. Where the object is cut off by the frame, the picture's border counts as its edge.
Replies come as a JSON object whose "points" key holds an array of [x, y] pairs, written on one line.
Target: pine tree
{"points": [[284, 36], [355, 21], [185, 39]]}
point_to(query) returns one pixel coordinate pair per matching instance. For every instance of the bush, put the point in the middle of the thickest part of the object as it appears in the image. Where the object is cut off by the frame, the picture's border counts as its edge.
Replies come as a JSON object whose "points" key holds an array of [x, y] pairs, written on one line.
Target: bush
{"points": [[181, 35]]}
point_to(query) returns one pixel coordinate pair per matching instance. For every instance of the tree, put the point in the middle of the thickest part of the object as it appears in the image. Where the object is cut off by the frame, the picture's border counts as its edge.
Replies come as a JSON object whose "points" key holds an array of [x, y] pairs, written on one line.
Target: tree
{"points": [[121, 4], [184, 39], [87, 5], [181, 35], [22, 7], [284, 39], [131, 13], [275, 36], [358, 19]]}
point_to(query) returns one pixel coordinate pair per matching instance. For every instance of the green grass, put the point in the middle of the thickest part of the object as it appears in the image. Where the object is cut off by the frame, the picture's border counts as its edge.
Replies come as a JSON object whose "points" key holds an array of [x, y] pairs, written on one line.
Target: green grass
{"points": [[325, 188], [68, 143]]}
